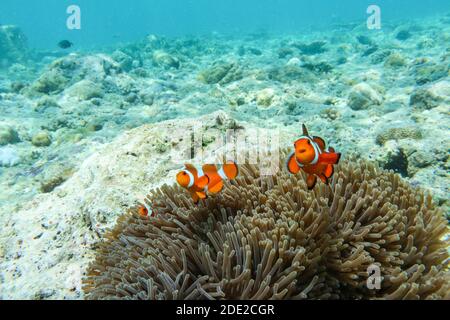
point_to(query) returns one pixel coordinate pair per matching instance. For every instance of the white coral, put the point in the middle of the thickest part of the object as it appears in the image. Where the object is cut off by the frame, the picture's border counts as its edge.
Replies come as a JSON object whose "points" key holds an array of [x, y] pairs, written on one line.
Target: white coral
{"points": [[8, 157]]}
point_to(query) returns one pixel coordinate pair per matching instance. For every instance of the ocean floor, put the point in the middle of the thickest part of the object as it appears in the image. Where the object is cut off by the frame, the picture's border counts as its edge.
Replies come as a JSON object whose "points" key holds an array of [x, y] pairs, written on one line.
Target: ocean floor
{"points": [[84, 135]]}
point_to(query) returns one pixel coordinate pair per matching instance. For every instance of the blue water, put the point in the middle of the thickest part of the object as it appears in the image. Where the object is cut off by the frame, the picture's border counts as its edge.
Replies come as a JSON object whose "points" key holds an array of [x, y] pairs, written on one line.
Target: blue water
{"points": [[111, 21]]}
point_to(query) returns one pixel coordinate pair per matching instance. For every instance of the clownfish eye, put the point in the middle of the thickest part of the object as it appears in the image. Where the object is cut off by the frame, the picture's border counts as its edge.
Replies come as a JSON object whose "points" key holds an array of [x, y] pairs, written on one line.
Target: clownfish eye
{"points": [[309, 142]]}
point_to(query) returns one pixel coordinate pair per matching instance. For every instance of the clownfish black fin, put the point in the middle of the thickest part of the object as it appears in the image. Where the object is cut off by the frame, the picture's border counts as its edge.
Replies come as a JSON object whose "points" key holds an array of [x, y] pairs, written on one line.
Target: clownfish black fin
{"points": [[305, 130], [339, 157], [320, 142]]}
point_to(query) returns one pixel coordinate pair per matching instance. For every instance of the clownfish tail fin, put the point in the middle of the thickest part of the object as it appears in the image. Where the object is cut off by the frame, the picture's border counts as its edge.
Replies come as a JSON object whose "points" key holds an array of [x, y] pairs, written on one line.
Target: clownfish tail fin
{"points": [[338, 157]]}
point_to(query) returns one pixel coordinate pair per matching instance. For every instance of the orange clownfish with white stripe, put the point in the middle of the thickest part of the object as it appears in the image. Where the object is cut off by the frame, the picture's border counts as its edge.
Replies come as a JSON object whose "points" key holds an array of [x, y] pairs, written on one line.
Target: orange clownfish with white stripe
{"points": [[209, 178], [313, 158], [145, 210]]}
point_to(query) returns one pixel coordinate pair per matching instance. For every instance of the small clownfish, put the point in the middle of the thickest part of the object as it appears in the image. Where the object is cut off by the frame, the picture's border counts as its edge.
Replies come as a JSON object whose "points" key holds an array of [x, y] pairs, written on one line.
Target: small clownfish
{"points": [[144, 210], [312, 156], [208, 178]]}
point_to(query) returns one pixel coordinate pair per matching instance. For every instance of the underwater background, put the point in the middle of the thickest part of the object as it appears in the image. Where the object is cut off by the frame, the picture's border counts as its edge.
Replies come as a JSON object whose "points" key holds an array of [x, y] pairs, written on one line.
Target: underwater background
{"points": [[87, 125], [109, 22]]}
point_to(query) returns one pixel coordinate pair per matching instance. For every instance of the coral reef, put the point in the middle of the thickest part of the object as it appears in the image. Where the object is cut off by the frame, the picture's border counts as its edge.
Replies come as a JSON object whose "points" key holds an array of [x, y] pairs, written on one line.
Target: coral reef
{"points": [[55, 179], [265, 97], [395, 60], [67, 71], [313, 48], [318, 67], [423, 99], [13, 45], [85, 90], [164, 59], [41, 139], [285, 52], [365, 40], [8, 135], [8, 157], [221, 73], [51, 82], [125, 61], [399, 133], [397, 161], [290, 73], [429, 72], [266, 237], [363, 96], [348, 84], [403, 35]]}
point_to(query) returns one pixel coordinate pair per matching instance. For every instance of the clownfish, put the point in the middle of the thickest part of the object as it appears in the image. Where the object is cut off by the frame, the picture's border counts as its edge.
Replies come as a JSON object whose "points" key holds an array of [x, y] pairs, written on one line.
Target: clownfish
{"points": [[208, 178], [312, 157], [144, 210]]}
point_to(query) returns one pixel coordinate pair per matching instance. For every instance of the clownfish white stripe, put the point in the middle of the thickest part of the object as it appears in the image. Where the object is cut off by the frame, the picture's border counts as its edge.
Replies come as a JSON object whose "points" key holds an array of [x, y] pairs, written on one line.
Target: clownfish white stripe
{"points": [[200, 172], [149, 209], [316, 159], [191, 178], [222, 174], [317, 151]]}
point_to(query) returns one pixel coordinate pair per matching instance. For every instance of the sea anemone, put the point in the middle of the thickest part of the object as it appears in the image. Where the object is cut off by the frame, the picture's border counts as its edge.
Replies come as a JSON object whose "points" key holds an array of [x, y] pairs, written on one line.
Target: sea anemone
{"points": [[269, 237]]}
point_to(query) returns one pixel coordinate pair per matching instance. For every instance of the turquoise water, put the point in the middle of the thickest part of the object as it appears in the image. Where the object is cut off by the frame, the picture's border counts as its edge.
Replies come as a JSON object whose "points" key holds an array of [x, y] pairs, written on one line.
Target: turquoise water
{"points": [[87, 130], [110, 21]]}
